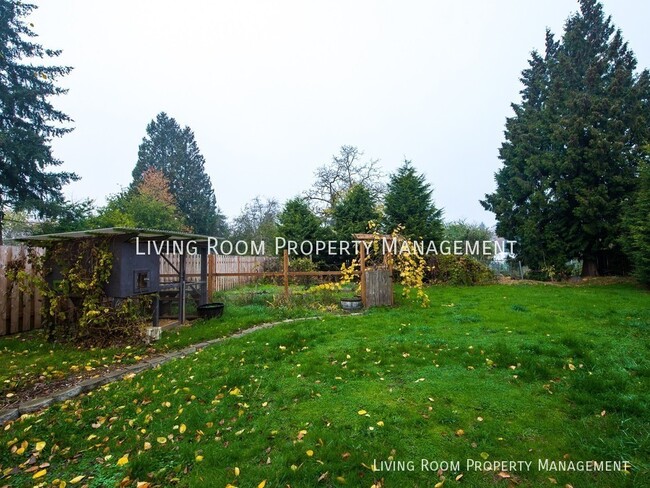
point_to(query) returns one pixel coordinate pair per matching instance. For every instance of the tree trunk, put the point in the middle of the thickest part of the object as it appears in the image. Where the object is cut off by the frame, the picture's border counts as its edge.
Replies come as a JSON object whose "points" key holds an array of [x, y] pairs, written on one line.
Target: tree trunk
{"points": [[2, 217], [589, 267]]}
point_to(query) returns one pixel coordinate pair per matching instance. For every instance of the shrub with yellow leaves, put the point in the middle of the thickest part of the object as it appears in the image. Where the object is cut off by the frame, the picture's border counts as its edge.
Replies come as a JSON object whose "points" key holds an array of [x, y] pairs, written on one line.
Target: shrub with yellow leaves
{"points": [[409, 263]]}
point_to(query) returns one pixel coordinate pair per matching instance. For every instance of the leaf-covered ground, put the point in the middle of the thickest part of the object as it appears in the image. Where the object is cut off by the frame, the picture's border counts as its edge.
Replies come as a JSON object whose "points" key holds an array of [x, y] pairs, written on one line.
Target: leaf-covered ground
{"points": [[32, 366], [494, 373]]}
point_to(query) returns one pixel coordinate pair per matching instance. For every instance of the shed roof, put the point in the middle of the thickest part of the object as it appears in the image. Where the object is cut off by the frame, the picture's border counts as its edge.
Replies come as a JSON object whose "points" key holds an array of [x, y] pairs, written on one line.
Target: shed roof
{"points": [[129, 232]]}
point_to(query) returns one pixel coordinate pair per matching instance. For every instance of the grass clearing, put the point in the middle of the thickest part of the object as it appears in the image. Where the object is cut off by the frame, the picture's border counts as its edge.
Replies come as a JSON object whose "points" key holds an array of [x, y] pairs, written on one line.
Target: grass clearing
{"points": [[29, 359], [486, 373]]}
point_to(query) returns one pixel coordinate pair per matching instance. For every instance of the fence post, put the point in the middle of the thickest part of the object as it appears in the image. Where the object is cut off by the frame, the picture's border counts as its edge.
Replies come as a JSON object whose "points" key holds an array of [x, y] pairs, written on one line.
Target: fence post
{"points": [[211, 277], [14, 300], [27, 297], [362, 271], [285, 270], [181, 278], [5, 306]]}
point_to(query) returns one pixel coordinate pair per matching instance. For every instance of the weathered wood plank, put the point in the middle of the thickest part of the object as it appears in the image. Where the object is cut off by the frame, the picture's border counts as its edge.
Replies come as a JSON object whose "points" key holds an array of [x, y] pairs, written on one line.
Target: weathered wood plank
{"points": [[379, 287], [14, 307], [4, 303], [19, 311]]}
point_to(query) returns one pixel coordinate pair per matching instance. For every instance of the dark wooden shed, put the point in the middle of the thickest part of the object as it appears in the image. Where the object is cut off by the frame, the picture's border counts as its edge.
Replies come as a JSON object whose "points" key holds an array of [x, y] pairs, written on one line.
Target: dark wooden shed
{"points": [[137, 256]]}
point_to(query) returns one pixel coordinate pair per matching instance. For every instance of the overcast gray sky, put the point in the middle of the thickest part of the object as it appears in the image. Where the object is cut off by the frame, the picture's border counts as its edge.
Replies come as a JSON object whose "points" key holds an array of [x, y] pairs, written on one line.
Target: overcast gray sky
{"points": [[273, 88]]}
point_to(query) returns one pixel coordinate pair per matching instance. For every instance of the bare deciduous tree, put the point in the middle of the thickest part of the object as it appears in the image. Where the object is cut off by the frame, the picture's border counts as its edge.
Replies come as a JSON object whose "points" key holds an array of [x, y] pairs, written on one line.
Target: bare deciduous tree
{"points": [[335, 179], [258, 220]]}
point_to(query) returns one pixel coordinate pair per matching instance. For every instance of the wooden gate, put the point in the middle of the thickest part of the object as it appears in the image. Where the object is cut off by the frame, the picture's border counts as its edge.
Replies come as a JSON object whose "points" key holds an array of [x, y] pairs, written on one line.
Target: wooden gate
{"points": [[379, 287]]}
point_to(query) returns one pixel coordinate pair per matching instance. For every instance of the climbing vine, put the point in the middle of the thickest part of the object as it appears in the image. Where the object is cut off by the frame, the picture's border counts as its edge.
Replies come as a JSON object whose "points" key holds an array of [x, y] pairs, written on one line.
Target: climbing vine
{"points": [[408, 262], [71, 277]]}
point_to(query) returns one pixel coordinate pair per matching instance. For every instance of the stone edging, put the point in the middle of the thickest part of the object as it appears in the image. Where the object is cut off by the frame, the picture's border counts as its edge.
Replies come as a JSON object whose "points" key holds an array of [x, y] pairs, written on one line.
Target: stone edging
{"points": [[90, 384]]}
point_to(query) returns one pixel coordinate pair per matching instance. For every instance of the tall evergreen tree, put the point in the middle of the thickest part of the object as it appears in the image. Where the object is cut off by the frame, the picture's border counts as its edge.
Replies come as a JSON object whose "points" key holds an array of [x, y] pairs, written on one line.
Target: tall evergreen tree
{"points": [[524, 203], [297, 222], [353, 212], [28, 121], [174, 151], [572, 148], [636, 239], [409, 203]]}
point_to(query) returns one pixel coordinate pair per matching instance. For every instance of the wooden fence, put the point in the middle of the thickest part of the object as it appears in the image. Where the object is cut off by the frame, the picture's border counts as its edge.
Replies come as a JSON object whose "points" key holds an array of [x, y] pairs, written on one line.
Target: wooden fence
{"points": [[220, 265], [224, 272], [20, 311]]}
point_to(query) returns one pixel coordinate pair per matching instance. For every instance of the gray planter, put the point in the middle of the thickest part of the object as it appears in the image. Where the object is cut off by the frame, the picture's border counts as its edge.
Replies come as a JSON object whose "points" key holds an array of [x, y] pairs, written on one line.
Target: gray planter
{"points": [[351, 304]]}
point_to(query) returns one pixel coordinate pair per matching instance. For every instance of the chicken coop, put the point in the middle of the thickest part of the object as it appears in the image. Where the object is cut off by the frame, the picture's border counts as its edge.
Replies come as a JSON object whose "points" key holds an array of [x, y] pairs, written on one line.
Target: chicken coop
{"points": [[138, 257]]}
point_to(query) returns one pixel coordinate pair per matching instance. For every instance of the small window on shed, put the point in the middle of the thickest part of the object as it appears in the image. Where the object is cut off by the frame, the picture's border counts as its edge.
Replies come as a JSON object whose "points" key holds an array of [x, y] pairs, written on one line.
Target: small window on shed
{"points": [[141, 281]]}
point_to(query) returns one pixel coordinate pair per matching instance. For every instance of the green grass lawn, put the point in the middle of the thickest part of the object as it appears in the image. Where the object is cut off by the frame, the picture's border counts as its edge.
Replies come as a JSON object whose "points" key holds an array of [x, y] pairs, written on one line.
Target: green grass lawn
{"points": [[28, 359], [492, 373]]}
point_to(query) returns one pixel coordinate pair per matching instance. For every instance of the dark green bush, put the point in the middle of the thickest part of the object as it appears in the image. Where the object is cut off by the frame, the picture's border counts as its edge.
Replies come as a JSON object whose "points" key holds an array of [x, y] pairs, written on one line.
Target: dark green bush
{"points": [[303, 264], [551, 273], [459, 270]]}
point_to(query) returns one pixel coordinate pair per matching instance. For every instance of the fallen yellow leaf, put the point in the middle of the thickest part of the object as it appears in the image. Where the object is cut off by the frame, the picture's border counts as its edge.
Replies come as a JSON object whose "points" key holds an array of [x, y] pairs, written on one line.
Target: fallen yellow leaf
{"points": [[77, 479], [237, 471], [362, 412], [182, 428], [310, 453], [147, 446], [123, 460], [161, 440], [40, 445], [261, 484], [199, 458], [40, 474]]}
